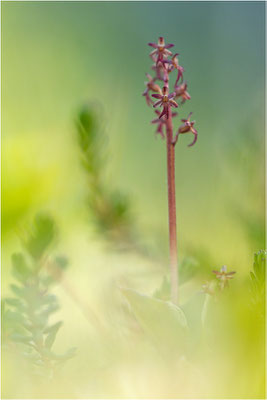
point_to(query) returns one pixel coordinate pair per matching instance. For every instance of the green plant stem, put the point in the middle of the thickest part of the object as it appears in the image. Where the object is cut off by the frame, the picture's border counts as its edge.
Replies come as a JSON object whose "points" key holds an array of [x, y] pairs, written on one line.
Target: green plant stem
{"points": [[172, 209]]}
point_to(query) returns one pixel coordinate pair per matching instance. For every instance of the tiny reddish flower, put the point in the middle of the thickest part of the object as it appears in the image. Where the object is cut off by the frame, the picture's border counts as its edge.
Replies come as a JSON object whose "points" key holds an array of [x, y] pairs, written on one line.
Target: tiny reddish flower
{"points": [[161, 122], [174, 63], [165, 100], [181, 91], [188, 126], [224, 276], [150, 86], [160, 51]]}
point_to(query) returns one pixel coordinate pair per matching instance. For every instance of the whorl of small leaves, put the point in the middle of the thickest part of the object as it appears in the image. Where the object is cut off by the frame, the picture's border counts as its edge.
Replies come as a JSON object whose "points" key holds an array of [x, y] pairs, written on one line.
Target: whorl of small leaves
{"points": [[109, 209], [26, 314]]}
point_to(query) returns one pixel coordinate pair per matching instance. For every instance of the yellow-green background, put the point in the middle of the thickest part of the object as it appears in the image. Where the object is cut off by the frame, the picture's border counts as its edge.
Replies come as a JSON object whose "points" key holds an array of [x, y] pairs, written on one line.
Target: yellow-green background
{"points": [[58, 55]]}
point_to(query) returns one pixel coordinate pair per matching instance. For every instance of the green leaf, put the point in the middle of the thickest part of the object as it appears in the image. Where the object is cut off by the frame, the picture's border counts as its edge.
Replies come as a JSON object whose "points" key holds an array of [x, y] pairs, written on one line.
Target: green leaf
{"points": [[16, 337], [19, 291], [15, 303], [163, 322], [86, 125], [41, 236], [259, 265], [52, 333], [20, 268]]}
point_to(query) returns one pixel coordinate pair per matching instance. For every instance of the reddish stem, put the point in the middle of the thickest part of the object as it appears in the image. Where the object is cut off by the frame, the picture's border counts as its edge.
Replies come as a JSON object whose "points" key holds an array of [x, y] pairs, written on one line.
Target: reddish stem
{"points": [[172, 208]]}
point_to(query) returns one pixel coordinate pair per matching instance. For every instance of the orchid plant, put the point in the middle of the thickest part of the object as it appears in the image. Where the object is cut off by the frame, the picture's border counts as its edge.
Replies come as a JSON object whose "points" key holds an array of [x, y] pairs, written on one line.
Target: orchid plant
{"points": [[163, 65]]}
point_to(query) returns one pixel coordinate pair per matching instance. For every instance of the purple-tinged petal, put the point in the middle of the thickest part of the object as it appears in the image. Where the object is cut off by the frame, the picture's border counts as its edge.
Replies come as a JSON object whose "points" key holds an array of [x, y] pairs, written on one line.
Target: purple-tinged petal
{"points": [[167, 52], [187, 96], [148, 100], [153, 53], [166, 61], [184, 128], [194, 141], [164, 111], [157, 103], [159, 130], [157, 95], [171, 95], [169, 45], [153, 45], [189, 115], [173, 103]]}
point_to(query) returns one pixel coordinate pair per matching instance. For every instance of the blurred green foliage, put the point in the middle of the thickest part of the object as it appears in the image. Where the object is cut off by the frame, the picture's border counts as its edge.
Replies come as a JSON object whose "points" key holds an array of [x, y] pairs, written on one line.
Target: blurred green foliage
{"points": [[258, 276], [26, 315], [187, 269], [163, 322], [109, 209]]}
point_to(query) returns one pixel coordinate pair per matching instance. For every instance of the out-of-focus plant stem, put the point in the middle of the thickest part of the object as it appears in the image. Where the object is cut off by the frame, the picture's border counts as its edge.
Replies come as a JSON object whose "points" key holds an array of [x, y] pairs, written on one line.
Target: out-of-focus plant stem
{"points": [[172, 208]]}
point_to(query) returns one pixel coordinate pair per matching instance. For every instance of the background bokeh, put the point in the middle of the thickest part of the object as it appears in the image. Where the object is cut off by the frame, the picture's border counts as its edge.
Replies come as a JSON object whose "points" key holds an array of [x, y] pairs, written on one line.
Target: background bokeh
{"points": [[56, 56]]}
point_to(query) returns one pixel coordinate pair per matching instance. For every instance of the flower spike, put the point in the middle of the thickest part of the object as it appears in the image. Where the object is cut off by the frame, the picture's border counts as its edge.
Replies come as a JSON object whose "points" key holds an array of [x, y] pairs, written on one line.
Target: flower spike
{"points": [[164, 63]]}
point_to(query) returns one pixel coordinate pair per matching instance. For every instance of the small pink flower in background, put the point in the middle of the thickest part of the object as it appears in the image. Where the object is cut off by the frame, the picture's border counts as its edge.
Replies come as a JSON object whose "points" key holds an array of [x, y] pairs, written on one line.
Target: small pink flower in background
{"points": [[224, 276], [161, 122], [160, 51], [188, 126], [181, 91], [174, 63], [150, 86], [165, 100]]}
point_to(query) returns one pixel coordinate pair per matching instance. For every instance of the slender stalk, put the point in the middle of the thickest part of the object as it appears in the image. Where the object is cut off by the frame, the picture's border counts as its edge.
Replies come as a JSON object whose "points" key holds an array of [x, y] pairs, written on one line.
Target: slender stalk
{"points": [[166, 100], [172, 209]]}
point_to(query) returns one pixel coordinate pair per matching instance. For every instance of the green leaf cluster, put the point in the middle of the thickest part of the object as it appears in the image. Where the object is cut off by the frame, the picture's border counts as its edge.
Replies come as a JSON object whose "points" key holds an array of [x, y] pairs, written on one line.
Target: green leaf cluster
{"points": [[109, 208], [26, 314]]}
